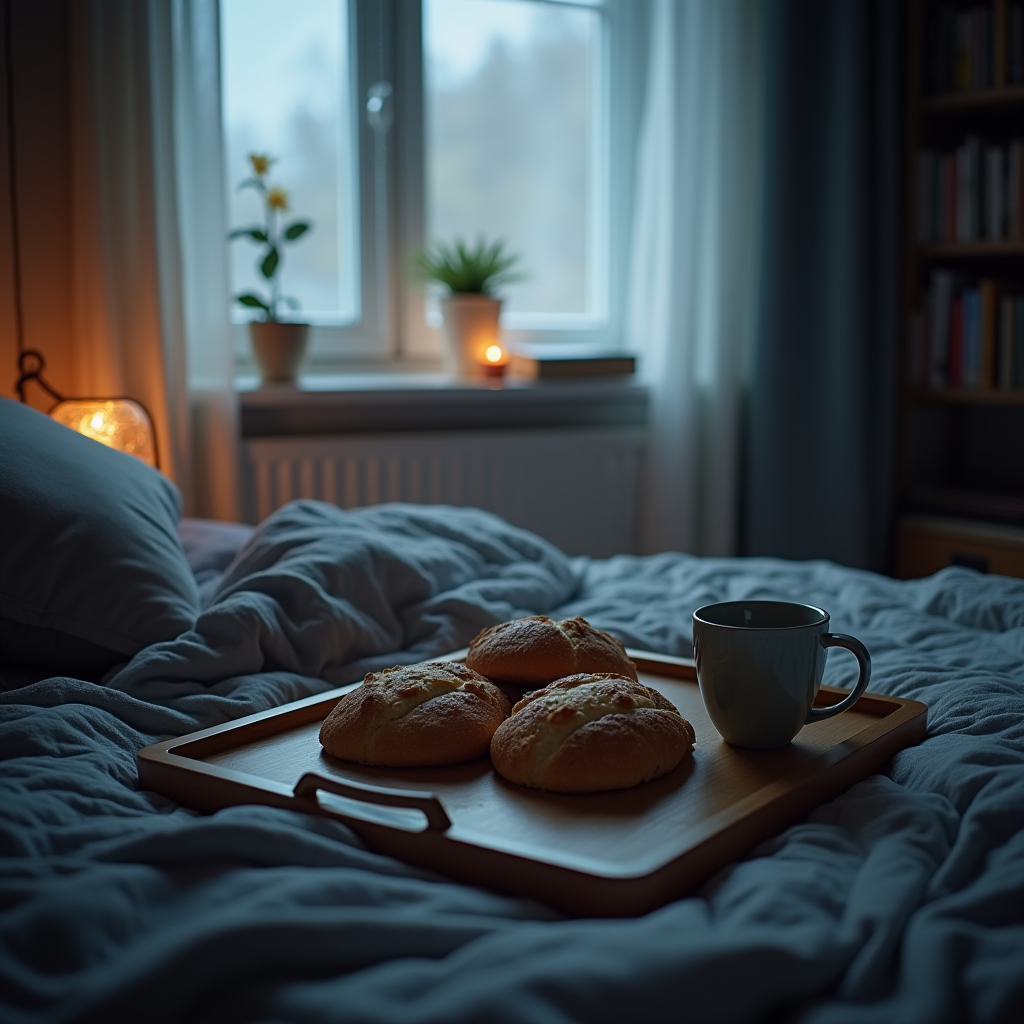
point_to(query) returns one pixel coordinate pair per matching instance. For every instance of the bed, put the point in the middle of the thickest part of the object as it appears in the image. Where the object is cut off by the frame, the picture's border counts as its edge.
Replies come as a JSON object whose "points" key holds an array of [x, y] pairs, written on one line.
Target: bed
{"points": [[901, 900]]}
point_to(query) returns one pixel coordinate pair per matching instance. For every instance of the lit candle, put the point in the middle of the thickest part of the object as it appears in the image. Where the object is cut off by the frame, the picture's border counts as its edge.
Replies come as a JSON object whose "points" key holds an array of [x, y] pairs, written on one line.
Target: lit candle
{"points": [[494, 361]]}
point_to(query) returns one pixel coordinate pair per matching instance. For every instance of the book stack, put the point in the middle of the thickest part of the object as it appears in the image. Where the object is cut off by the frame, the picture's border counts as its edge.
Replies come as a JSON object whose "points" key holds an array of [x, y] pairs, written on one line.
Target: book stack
{"points": [[968, 334], [553, 361], [973, 46], [974, 193], [1015, 42]]}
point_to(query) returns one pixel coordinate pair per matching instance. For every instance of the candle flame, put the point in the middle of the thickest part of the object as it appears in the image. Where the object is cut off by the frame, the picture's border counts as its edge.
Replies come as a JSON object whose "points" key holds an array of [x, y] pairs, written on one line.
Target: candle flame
{"points": [[493, 354]]}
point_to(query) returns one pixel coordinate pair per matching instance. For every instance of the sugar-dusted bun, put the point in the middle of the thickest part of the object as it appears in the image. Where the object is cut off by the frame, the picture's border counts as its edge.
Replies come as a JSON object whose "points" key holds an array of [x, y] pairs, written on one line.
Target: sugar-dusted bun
{"points": [[590, 732], [537, 651], [438, 712]]}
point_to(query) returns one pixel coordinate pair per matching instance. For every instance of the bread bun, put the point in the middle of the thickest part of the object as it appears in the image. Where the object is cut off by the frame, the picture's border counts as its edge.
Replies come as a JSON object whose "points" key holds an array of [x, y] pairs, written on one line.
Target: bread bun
{"points": [[537, 651], [590, 732], [438, 712]]}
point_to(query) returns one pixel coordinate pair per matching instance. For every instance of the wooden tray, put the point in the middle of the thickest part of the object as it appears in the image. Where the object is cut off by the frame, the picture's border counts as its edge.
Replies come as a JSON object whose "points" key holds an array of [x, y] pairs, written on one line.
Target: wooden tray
{"points": [[594, 854]]}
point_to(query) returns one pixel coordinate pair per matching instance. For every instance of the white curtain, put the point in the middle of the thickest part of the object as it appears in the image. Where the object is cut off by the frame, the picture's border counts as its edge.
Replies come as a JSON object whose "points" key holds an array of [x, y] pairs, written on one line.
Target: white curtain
{"points": [[202, 220], [149, 262], [691, 290]]}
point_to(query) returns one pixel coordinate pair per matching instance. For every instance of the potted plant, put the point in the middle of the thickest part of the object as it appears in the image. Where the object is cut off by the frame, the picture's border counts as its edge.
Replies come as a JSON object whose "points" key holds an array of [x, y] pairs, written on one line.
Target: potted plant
{"points": [[278, 345], [471, 310]]}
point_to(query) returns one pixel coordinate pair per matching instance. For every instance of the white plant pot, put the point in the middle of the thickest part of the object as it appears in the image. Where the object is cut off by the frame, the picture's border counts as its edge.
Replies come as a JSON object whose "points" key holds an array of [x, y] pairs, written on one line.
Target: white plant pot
{"points": [[471, 326], [279, 350]]}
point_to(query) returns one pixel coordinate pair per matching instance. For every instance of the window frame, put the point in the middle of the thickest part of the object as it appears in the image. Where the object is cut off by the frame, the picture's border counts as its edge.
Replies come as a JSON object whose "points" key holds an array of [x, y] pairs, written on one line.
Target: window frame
{"points": [[392, 329]]}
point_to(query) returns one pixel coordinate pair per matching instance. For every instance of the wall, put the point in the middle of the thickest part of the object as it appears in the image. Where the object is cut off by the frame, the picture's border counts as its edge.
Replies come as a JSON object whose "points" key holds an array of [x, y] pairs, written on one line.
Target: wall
{"points": [[40, 37]]}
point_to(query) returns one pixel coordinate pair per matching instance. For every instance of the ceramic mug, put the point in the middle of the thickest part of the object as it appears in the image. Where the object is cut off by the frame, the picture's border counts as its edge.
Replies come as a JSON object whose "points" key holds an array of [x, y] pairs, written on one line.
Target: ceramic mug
{"points": [[759, 666]]}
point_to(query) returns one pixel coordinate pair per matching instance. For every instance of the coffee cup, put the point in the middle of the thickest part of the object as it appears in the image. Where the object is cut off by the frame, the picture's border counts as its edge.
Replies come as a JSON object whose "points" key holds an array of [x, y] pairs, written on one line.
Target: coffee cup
{"points": [[759, 666]]}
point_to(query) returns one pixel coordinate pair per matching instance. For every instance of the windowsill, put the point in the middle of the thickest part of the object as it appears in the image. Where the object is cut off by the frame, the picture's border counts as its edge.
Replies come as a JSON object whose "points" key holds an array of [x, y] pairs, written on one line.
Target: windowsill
{"points": [[395, 401]]}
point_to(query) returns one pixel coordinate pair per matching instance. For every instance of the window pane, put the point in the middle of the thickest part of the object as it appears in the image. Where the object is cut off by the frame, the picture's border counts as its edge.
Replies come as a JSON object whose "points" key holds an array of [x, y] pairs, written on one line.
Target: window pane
{"points": [[286, 91], [513, 111]]}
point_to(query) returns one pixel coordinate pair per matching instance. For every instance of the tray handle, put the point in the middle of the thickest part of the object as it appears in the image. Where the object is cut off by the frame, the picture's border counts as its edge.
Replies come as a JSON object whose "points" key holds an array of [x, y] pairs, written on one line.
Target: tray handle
{"points": [[428, 803]]}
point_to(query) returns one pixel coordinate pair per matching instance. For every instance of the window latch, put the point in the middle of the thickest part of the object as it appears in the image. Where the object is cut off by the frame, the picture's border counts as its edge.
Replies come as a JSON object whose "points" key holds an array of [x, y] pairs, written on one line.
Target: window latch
{"points": [[380, 110]]}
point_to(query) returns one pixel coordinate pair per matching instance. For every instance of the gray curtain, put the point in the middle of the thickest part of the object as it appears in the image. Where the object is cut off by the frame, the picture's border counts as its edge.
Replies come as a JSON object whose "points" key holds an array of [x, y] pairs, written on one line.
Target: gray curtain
{"points": [[820, 430]]}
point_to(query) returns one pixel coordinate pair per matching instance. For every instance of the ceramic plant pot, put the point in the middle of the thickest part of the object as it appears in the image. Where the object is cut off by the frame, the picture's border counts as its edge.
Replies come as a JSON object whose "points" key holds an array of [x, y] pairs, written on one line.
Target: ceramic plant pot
{"points": [[470, 328], [279, 349]]}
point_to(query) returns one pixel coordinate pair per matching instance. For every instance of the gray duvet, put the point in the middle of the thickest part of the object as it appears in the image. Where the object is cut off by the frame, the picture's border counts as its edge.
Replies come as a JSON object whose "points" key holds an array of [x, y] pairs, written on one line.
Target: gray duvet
{"points": [[902, 900]]}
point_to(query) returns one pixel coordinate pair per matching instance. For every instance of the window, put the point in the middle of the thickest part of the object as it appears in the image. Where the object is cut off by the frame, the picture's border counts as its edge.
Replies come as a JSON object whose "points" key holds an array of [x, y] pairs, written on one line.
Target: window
{"points": [[396, 123], [515, 145], [287, 92]]}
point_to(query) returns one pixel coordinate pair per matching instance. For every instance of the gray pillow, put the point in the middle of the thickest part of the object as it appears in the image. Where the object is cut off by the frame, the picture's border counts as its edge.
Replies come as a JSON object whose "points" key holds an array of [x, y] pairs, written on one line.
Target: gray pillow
{"points": [[91, 566]]}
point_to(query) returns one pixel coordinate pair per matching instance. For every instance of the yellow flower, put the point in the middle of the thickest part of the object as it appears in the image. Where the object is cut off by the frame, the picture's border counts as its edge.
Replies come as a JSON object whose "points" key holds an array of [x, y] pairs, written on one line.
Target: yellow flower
{"points": [[260, 163], [277, 199]]}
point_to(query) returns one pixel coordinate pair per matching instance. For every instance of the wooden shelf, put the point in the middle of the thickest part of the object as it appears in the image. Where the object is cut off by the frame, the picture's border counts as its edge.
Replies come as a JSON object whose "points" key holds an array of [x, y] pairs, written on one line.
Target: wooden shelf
{"points": [[1004, 533], [983, 98], [971, 250], [968, 396], [970, 504], [928, 543]]}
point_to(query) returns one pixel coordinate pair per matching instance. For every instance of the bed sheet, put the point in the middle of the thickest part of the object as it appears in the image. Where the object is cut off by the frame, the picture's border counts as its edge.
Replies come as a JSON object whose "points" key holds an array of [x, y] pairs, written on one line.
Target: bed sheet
{"points": [[901, 900], [210, 547]]}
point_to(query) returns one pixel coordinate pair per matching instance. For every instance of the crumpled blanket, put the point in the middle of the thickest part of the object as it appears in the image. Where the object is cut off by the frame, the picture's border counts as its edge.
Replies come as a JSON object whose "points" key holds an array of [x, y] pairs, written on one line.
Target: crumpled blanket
{"points": [[902, 900]]}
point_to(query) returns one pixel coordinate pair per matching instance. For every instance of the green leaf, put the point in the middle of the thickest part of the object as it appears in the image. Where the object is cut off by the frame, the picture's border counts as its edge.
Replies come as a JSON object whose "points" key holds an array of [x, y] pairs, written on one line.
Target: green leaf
{"points": [[270, 262], [255, 183], [296, 230], [256, 234], [252, 301], [463, 269]]}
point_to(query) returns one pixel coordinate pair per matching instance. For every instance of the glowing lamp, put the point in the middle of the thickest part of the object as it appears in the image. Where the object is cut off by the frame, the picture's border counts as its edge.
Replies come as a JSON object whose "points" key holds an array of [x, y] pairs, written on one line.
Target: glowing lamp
{"points": [[120, 423]]}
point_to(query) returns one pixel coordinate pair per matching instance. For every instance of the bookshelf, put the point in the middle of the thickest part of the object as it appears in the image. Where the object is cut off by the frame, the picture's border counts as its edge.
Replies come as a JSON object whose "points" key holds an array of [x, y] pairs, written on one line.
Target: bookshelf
{"points": [[960, 490]]}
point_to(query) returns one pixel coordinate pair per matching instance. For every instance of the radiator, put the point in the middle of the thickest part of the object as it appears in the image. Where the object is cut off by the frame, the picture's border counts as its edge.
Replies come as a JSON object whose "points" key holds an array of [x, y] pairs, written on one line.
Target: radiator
{"points": [[577, 488]]}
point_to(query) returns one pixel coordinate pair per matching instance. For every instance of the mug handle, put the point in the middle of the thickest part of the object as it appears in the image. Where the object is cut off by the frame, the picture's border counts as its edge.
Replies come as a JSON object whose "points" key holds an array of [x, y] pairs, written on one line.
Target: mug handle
{"points": [[860, 652]]}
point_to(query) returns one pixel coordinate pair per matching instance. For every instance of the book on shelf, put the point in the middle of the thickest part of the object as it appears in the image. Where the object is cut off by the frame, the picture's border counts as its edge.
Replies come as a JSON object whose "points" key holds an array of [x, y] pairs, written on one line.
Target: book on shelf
{"points": [[554, 361], [968, 334], [1005, 345], [972, 193], [983, 367], [939, 305], [1015, 41], [969, 47], [956, 343]]}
